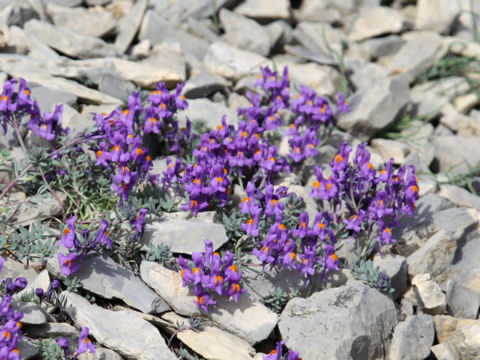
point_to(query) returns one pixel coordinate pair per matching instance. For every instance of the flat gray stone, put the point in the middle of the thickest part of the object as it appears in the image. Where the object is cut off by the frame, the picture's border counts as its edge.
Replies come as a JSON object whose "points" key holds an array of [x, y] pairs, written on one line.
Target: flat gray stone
{"points": [[395, 266], [168, 56], [33, 314], [419, 52], [255, 39], [248, 319], [203, 85], [318, 11], [28, 212], [180, 11], [320, 37], [430, 297], [317, 56], [389, 149], [212, 342], [104, 277], [69, 3], [156, 29], [14, 269], [17, 14], [129, 24], [412, 338], [131, 336], [279, 33], [146, 75], [382, 46], [375, 108], [27, 349], [209, 112], [49, 96], [52, 330], [265, 9], [375, 21], [69, 42], [89, 22], [100, 354], [349, 322], [456, 154], [459, 196], [184, 236], [115, 86], [232, 63], [325, 80], [435, 255], [436, 15], [368, 75], [463, 301]]}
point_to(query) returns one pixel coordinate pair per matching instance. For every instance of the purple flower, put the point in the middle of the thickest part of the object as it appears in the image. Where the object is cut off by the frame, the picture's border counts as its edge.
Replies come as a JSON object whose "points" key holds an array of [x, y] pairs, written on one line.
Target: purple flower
{"points": [[69, 263], [139, 222], [342, 106], [203, 299], [68, 235], [84, 343]]}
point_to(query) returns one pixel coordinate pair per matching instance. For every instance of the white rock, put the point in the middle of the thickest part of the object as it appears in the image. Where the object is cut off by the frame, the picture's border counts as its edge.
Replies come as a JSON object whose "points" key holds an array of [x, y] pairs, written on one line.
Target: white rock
{"points": [[232, 63], [431, 298], [376, 21], [418, 53], [121, 331], [212, 342], [391, 149], [247, 319], [265, 9], [255, 39], [436, 15]]}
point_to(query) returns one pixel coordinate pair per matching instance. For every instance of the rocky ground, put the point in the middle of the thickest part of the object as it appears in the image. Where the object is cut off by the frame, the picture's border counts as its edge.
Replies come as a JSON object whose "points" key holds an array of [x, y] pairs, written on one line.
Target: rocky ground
{"points": [[410, 73]]}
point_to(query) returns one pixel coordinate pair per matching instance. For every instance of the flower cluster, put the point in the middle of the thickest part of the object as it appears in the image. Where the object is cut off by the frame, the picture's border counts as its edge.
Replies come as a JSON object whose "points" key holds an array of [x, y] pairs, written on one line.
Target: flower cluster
{"points": [[210, 273], [220, 154], [84, 344], [10, 332], [159, 117], [80, 246], [277, 353], [15, 105], [121, 149], [374, 200], [298, 248]]}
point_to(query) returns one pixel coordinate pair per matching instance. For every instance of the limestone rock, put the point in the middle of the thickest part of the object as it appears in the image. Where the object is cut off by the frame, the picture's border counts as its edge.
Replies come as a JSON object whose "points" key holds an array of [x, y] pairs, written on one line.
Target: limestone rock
{"points": [[375, 108], [430, 297], [102, 276], [232, 63], [376, 21], [418, 53], [415, 333], [247, 319], [212, 342], [89, 22], [184, 236], [156, 29], [131, 337], [129, 24], [345, 322], [69, 42], [265, 9], [203, 85], [436, 15], [255, 39]]}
